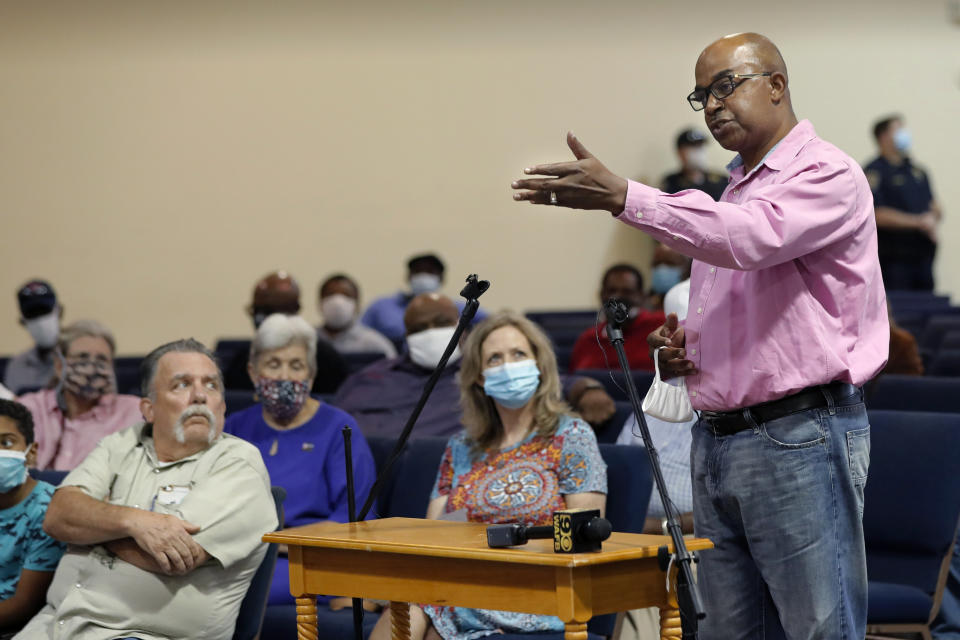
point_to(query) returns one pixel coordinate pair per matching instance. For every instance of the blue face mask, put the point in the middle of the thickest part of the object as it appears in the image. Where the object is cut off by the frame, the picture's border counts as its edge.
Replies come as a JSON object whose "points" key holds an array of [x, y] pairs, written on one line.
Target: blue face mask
{"points": [[13, 469], [902, 139], [665, 277], [512, 385]]}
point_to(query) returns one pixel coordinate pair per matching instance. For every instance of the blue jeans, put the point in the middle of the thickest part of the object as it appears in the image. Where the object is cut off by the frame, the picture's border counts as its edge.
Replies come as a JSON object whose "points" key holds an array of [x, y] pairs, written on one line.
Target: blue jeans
{"points": [[783, 504]]}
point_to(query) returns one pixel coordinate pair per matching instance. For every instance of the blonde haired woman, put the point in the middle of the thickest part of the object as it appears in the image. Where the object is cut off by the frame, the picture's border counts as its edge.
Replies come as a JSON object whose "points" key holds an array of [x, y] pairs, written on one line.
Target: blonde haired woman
{"points": [[523, 454]]}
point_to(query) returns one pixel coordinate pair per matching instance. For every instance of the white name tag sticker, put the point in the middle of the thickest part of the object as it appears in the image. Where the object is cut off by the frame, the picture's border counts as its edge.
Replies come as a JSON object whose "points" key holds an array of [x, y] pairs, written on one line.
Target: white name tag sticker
{"points": [[172, 494]]}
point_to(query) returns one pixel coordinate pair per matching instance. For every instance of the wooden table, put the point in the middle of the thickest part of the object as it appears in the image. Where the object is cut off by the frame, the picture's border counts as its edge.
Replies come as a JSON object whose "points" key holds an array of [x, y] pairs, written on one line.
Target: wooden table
{"points": [[448, 563]]}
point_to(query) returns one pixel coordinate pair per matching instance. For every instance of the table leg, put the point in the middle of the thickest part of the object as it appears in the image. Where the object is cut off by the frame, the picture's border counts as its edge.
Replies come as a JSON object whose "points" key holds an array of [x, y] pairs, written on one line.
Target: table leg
{"points": [[575, 631], [400, 620], [670, 627], [307, 618]]}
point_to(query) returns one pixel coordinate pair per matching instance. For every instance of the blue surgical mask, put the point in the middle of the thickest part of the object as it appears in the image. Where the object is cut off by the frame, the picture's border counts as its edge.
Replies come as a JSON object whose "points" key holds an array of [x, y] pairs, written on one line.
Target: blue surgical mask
{"points": [[512, 385], [13, 469], [424, 283], [665, 277], [902, 139]]}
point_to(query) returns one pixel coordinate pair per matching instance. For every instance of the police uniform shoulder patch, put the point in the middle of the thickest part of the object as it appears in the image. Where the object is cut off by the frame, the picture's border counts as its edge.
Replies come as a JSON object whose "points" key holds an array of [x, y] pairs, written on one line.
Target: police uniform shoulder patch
{"points": [[873, 177]]}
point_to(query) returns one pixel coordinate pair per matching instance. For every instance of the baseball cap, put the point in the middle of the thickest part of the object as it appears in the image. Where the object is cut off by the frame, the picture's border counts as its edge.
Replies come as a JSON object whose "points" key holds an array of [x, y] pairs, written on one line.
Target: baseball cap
{"points": [[36, 298], [690, 137]]}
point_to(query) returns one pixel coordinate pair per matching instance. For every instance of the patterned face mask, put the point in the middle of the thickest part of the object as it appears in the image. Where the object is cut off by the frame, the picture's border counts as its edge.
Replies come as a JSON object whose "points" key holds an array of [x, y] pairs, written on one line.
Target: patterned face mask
{"points": [[88, 379], [282, 399]]}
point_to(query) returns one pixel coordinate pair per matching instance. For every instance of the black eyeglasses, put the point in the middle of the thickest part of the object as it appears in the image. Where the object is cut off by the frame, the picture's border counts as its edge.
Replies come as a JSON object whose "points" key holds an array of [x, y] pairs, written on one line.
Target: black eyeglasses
{"points": [[720, 88]]}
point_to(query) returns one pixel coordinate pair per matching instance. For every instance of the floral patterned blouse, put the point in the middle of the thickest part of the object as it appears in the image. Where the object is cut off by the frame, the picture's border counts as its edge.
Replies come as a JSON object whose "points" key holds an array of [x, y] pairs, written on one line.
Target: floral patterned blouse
{"points": [[524, 483]]}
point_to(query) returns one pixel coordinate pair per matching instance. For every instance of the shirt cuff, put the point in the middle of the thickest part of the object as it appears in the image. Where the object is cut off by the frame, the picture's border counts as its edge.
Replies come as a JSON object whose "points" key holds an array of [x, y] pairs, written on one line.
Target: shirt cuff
{"points": [[641, 204]]}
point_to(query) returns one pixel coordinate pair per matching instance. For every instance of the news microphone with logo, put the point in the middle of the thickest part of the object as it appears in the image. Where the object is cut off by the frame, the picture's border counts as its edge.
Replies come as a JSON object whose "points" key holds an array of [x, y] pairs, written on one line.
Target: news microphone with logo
{"points": [[573, 531]]}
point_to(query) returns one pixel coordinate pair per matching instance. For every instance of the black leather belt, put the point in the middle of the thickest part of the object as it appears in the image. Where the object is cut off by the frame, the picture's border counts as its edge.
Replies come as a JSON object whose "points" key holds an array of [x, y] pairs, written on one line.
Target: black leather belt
{"points": [[725, 423]]}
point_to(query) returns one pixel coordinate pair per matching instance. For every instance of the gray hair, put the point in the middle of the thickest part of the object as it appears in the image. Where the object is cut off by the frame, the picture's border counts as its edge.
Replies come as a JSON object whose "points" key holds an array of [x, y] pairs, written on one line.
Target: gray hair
{"points": [[85, 329], [148, 368], [280, 330]]}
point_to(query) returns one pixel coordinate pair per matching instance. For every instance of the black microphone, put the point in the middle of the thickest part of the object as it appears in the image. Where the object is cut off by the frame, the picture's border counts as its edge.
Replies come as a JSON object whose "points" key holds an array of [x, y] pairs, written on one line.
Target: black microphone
{"points": [[573, 531], [617, 313]]}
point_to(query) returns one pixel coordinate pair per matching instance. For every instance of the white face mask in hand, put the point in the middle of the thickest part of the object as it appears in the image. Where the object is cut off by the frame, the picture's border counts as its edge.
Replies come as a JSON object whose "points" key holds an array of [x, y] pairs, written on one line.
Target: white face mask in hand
{"points": [[665, 401], [426, 347]]}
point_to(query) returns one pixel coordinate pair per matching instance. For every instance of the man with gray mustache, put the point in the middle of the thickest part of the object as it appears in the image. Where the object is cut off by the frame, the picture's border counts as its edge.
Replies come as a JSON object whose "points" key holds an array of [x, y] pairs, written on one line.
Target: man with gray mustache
{"points": [[163, 519]]}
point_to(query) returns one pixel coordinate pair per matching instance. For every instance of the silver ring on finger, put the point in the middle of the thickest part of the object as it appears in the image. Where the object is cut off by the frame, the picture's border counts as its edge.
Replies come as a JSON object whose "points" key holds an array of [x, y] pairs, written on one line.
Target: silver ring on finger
{"points": [[553, 197]]}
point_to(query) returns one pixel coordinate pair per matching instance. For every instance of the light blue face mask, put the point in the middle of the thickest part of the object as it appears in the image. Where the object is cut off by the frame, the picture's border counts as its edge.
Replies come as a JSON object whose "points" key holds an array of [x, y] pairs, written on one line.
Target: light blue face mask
{"points": [[512, 384], [13, 469], [665, 277], [902, 139]]}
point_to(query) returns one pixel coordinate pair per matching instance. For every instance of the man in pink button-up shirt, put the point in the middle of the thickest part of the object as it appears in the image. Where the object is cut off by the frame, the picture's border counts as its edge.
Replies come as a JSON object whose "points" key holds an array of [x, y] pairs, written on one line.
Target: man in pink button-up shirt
{"points": [[786, 320]]}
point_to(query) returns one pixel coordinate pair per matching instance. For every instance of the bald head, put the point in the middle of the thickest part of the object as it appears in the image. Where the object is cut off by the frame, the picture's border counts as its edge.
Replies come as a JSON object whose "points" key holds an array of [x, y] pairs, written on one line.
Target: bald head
{"points": [[429, 311], [277, 292], [749, 48], [753, 116]]}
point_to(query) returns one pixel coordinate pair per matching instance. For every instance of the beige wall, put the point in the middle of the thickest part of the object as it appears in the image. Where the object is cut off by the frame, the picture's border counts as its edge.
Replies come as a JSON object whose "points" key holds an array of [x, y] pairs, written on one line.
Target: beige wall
{"points": [[157, 158]]}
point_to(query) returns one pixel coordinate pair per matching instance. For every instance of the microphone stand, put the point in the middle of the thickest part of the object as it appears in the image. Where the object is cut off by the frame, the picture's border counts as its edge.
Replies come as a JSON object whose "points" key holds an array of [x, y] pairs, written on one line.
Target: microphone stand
{"points": [[688, 595], [474, 289]]}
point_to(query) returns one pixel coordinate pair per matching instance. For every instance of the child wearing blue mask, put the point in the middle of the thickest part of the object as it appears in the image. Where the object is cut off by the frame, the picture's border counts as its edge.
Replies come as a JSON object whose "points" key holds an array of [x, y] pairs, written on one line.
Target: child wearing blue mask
{"points": [[28, 556]]}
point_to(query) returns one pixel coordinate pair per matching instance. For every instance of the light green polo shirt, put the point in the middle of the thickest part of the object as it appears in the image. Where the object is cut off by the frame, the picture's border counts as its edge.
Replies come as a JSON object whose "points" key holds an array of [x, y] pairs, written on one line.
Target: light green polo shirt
{"points": [[224, 489]]}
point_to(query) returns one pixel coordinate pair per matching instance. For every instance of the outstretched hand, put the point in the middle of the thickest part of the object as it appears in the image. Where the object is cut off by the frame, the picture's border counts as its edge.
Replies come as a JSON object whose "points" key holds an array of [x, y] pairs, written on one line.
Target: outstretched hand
{"points": [[581, 184], [673, 356]]}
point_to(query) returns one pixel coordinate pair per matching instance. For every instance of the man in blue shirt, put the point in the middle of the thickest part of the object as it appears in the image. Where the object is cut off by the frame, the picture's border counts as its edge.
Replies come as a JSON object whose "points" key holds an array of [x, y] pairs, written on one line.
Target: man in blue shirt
{"points": [[425, 275], [28, 556], [908, 216]]}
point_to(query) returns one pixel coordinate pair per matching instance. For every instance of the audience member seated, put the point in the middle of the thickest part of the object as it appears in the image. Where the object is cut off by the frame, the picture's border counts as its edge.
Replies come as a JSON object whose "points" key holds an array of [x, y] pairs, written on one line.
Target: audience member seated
{"points": [[624, 282], [299, 438], [28, 556], [279, 292], [424, 275], [40, 315], [904, 355], [339, 297], [382, 396], [669, 268], [516, 425], [83, 407], [163, 519]]}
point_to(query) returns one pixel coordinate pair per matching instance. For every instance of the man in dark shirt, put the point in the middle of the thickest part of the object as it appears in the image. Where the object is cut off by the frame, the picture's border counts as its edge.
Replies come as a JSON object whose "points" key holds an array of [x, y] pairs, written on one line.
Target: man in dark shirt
{"points": [[278, 292], [907, 214], [694, 174]]}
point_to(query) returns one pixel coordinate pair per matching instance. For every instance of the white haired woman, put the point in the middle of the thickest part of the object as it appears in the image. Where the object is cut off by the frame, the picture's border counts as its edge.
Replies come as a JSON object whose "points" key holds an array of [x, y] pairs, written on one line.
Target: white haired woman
{"points": [[299, 437], [522, 455]]}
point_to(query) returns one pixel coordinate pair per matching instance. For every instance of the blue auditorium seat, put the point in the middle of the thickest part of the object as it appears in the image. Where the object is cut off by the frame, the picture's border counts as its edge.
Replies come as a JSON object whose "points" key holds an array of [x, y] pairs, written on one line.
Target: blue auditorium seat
{"points": [[946, 362], [911, 512], [254, 605], [950, 340], [935, 329], [914, 393], [609, 431], [238, 399]]}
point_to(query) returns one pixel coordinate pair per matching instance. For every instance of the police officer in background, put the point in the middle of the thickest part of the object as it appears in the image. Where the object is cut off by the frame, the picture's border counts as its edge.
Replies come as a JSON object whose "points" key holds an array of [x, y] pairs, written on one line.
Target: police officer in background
{"points": [[907, 214], [694, 174]]}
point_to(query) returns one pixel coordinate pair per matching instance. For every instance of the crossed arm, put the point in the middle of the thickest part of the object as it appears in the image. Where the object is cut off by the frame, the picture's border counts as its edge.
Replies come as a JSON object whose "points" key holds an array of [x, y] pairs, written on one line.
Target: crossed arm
{"points": [[151, 541]]}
